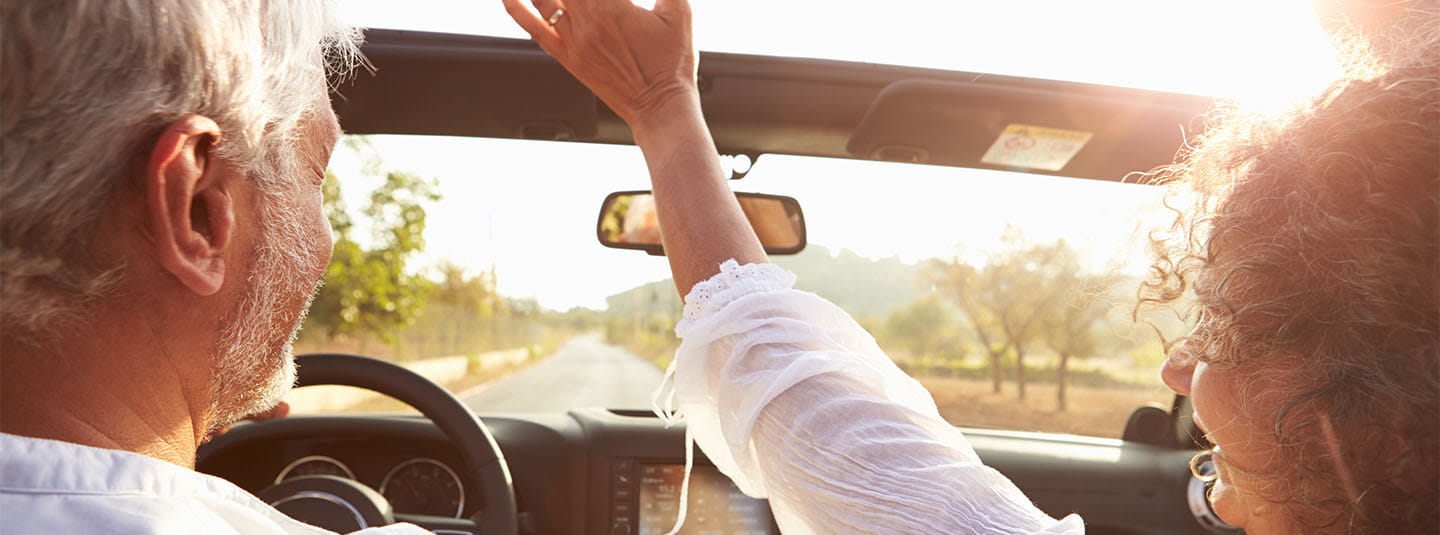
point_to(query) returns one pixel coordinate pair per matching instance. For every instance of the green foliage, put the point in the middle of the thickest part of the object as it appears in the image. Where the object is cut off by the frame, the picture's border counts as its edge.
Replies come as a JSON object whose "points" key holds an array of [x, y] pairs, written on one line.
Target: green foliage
{"points": [[928, 330], [1071, 326], [373, 292], [612, 227], [368, 288]]}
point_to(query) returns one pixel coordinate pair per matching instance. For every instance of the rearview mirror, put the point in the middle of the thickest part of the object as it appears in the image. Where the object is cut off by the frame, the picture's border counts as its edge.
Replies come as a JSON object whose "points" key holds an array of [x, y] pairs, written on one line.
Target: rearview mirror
{"points": [[627, 221]]}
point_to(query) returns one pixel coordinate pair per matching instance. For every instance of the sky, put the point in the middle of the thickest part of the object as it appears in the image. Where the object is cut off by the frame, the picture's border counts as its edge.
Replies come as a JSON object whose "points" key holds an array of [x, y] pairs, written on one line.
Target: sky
{"points": [[529, 208]]}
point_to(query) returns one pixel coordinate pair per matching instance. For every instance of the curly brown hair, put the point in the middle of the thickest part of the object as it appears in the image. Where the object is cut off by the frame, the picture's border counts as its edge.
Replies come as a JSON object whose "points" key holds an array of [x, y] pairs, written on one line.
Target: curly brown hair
{"points": [[1311, 243]]}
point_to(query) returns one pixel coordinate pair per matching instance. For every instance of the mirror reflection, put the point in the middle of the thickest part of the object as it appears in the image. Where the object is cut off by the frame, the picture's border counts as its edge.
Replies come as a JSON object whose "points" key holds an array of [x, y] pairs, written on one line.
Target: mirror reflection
{"points": [[628, 221]]}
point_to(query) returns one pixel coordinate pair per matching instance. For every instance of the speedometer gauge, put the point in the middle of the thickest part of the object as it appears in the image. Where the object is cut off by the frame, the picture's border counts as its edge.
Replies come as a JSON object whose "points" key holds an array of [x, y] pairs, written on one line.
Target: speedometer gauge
{"points": [[424, 487], [314, 465]]}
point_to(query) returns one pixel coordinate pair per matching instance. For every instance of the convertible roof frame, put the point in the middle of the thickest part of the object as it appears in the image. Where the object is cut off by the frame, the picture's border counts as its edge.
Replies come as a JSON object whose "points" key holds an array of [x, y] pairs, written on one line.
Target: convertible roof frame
{"points": [[461, 85]]}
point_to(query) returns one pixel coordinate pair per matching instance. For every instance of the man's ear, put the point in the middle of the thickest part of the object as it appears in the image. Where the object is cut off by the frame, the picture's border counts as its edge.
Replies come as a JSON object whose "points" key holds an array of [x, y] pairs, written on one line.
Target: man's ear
{"points": [[190, 214]]}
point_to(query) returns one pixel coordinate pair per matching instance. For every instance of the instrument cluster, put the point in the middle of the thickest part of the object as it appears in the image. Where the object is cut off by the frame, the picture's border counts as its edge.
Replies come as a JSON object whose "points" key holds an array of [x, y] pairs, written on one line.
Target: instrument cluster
{"points": [[417, 486]]}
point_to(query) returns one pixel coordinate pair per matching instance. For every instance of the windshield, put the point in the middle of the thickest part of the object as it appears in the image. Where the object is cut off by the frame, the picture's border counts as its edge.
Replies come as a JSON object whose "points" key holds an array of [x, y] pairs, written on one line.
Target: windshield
{"points": [[510, 300], [476, 260]]}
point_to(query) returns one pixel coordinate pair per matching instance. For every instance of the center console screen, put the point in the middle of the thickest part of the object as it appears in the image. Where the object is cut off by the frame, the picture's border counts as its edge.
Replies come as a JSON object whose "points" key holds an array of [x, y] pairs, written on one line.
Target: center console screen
{"points": [[715, 506]]}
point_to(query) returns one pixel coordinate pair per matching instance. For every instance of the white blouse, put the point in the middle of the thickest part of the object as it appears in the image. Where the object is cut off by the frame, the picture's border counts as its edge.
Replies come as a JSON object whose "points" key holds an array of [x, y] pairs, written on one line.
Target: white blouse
{"points": [[795, 402]]}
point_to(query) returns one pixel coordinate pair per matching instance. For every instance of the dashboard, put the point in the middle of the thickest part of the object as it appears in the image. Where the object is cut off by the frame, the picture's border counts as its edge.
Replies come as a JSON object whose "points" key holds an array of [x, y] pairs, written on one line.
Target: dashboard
{"points": [[595, 471], [418, 485]]}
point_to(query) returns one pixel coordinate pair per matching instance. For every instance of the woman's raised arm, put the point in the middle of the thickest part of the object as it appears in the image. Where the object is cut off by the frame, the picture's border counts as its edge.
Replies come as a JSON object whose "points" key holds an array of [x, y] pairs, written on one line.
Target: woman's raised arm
{"points": [[814, 415], [641, 62]]}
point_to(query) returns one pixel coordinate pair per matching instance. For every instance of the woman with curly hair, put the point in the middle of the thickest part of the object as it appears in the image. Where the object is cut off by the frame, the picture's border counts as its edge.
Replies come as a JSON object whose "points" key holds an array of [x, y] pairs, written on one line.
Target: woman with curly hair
{"points": [[1311, 245], [1311, 249]]}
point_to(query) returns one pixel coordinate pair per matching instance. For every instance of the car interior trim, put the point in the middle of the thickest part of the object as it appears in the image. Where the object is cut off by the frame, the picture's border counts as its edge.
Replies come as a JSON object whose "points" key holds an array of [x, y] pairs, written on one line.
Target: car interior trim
{"points": [[280, 477]]}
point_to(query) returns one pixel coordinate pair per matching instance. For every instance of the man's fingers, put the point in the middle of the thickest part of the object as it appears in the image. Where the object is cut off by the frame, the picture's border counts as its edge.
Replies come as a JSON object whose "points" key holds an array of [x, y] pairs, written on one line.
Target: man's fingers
{"points": [[280, 411], [531, 22]]}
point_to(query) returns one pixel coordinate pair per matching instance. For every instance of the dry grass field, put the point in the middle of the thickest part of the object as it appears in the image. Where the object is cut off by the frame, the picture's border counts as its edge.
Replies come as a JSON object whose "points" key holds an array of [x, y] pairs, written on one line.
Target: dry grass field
{"points": [[1093, 411], [1096, 412]]}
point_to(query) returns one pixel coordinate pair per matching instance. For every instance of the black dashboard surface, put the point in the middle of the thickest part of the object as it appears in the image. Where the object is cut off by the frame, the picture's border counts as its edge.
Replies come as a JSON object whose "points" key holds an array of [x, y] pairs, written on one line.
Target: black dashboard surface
{"points": [[567, 468]]}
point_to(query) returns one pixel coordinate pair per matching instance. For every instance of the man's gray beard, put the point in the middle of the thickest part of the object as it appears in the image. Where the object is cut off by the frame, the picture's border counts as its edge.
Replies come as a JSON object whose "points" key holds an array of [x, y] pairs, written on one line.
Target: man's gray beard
{"points": [[254, 360]]}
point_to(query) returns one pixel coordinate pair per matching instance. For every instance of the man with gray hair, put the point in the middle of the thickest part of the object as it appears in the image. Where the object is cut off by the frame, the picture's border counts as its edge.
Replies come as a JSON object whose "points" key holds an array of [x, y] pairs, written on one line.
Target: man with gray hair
{"points": [[162, 233]]}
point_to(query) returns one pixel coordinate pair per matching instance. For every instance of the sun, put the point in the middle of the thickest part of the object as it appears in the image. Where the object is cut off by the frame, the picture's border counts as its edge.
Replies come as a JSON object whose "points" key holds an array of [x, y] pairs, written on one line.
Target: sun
{"points": [[1266, 55]]}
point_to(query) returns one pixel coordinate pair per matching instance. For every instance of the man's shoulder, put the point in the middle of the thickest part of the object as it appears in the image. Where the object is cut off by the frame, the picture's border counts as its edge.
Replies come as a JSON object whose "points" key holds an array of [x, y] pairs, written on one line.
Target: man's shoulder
{"points": [[48, 486], [43, 466]]}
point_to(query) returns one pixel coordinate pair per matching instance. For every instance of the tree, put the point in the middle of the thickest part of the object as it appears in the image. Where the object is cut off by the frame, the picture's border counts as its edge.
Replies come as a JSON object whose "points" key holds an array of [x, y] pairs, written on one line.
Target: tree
{"points": [[457, 317], [1023, 290], [1069, 326], [368, 287], [969, 289], [459, 289], [1004, 300], [927, 329]]}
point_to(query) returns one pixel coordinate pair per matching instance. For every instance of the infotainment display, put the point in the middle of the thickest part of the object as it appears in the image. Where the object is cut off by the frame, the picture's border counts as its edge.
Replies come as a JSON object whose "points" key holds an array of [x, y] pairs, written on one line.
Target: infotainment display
{"points": [[716, 506]]}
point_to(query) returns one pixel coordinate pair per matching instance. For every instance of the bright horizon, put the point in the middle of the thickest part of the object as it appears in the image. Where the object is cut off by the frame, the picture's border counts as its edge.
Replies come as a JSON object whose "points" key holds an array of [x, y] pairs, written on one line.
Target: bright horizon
{"points": [[547, 250]]}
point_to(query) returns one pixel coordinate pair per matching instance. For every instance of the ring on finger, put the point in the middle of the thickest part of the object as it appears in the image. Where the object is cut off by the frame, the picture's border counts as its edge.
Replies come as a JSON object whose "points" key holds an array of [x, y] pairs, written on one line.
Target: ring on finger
{"points": [[555, 17]]}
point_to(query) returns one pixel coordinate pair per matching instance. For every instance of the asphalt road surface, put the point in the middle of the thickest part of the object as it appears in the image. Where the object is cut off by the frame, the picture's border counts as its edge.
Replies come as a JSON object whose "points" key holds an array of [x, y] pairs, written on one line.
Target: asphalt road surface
{"points": [[584, 372]]}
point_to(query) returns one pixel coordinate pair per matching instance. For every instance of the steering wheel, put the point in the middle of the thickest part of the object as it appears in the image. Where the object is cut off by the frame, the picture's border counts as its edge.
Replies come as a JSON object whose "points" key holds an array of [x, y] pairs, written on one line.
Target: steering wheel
{"points": [[314, 498]]}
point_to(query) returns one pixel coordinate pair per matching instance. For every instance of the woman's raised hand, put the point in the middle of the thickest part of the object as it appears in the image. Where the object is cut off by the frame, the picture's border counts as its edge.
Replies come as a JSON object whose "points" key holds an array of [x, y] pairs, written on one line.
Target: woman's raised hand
{"points": [[641, 62], [637, 60]]}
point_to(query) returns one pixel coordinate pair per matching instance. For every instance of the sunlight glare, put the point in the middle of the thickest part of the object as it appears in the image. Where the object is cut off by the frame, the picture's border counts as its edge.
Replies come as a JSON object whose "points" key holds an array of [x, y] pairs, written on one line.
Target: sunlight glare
{"points": [[1258, 53]]}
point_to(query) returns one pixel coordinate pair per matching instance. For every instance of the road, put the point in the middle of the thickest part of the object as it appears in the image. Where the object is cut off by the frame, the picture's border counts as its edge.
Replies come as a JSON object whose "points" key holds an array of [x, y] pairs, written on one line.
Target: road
{"points": [[584, 372]]}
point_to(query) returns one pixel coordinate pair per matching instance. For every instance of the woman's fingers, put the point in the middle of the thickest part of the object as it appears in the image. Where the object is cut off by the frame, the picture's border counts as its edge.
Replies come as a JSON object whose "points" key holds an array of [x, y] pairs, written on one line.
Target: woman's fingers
{"points": [[634, 59], [672, 7], [538, 28], [548, 8], [589, 6]]}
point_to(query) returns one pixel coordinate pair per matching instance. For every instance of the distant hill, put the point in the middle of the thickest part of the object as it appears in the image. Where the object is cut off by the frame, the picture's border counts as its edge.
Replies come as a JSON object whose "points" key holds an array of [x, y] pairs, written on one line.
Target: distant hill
{"points": [[650, 297], [863, 287]]}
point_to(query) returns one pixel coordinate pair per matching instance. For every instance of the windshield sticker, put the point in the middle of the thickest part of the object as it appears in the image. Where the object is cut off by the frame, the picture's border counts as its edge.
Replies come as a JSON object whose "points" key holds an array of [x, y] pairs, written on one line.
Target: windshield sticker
{"points": [[1036, 147]]}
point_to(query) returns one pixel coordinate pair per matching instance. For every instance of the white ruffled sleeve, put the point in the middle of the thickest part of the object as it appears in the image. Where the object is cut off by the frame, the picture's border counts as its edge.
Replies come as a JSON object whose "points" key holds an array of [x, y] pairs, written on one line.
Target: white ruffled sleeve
{"points": [[794, 401]]}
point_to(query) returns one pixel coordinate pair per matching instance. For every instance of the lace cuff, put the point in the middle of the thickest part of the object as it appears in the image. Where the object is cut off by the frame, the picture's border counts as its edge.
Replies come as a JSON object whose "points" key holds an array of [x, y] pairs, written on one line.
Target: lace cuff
{"points": [[733, 282]]}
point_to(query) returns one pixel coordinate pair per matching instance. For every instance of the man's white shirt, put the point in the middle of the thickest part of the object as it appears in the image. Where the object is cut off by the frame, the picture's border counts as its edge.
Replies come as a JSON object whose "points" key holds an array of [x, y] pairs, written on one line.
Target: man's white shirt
{"points": [[47, 486]]}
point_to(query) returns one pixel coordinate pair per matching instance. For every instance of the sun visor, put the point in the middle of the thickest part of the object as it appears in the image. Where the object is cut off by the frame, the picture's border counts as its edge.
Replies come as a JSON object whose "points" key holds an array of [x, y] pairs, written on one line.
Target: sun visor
{"points": [[436, 87], [1074, 130]]}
